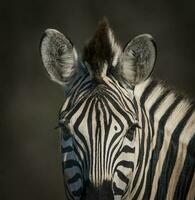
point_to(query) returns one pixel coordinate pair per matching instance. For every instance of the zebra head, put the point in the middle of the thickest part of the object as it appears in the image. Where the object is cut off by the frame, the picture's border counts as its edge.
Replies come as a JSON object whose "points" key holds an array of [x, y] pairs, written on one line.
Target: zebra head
{"points": [[98, 119]]}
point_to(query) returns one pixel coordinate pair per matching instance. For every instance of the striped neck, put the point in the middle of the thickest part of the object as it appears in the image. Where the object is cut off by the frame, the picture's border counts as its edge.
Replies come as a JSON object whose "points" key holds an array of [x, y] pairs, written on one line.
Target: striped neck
{"points": [[162, 103], [167, 134]]}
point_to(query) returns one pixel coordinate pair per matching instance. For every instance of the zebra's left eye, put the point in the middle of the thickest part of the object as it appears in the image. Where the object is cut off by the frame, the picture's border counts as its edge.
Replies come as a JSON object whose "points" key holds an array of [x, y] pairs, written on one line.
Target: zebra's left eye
{"points": [[131, 131]]}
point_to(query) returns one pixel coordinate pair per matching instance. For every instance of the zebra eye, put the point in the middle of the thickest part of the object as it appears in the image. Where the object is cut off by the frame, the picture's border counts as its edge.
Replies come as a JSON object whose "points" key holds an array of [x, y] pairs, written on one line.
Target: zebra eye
{"points": [[66, 130], [134, 126], [63, 124], [131, 131], [130, 134]]}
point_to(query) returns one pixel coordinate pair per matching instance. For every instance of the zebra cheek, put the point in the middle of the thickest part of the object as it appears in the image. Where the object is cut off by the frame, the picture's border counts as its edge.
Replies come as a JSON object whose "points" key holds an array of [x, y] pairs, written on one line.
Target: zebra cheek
{"points": [[120, 181], [118, 186]]}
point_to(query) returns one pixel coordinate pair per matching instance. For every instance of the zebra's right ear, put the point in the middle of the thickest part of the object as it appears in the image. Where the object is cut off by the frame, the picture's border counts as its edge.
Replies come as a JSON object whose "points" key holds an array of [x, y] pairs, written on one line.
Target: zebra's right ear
{"points": [[59, 56]]}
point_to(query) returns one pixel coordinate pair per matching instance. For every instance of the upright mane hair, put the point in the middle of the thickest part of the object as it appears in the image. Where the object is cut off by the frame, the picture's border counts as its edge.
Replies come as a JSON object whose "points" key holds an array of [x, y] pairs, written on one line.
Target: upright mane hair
{"points": [[102, 51]]}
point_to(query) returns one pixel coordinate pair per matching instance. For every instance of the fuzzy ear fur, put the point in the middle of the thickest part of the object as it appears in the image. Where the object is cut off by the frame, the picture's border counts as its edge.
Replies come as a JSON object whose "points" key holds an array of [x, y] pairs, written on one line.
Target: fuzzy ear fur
{"points": [[102, 51], [138, 59], [59, 56]]}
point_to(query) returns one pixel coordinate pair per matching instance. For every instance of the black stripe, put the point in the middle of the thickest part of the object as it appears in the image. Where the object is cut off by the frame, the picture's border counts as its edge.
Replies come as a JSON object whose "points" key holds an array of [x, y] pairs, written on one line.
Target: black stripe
{"points": [[89, 126], [96, 159], [159, 142], [188, 171], [170, 159], [86, 86], [68, 193], [122, 176], [78, 133], [123, 104], [78, 84], [118, 108], [141, 153], [115, 136], [75, 108], [152, 112], [147, 92], [67, 149], [114, 92], [100, 147], [117, 191], [106, 127], [125, 100], [125, 149], [145, 161], [127, 164], [78, 192], [128, 149], [78, 151], [75, 178], [155, 106], [121, 95], [70, 164], [115, 155], [71, 95]]}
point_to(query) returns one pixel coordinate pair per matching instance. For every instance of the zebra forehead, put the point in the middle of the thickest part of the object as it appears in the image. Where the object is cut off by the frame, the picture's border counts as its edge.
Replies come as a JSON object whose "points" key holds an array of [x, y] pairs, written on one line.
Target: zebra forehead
{"points": [[107, 94], [100, 106]]}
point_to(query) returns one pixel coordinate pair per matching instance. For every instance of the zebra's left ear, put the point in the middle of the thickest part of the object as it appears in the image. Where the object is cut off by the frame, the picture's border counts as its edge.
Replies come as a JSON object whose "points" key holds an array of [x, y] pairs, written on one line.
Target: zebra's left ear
{"points": [[138, 59]]}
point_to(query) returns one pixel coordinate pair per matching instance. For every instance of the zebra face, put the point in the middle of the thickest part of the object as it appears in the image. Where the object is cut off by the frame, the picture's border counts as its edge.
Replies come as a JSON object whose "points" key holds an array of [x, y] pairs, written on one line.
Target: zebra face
{"points": [[98, 123], [98, 119]]}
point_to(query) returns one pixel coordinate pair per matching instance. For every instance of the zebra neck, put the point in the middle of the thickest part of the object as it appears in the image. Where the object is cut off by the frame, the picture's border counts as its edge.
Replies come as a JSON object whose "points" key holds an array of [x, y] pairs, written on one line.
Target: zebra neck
{"points": [[164, 108], [166, 136]]}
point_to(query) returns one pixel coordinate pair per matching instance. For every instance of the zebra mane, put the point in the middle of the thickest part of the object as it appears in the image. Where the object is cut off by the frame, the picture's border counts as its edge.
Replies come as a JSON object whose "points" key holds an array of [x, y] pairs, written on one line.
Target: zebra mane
{"points": [[102, 51]]}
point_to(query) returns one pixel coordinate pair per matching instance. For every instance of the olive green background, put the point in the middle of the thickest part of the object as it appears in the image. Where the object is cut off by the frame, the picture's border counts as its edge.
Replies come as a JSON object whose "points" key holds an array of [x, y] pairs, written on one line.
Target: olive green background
{"points": [[29, 146]]}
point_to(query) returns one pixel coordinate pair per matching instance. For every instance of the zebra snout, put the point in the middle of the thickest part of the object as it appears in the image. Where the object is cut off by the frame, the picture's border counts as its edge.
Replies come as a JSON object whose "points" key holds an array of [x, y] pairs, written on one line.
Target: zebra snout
{"points": [[104, 192]]}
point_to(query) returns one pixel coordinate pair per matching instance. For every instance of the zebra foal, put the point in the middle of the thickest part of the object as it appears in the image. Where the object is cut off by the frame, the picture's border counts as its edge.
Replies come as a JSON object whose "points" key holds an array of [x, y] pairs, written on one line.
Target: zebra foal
{"points": [[124, 135]]}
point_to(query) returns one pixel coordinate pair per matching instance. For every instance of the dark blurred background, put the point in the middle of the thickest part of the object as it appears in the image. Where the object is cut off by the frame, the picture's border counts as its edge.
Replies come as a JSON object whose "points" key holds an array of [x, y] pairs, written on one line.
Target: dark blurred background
{"points": [[30, 166]]}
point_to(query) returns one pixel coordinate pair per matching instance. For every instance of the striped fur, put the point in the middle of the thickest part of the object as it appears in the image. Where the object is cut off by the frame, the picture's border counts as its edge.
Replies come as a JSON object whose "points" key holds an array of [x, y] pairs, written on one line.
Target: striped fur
{"points": [[123, 137], [95, 120], [166, 159], [161, 155]]}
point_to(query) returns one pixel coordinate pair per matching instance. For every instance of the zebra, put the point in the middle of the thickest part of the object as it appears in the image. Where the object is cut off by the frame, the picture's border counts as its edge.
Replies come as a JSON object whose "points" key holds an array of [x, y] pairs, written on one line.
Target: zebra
{"points": [[124, 135]]}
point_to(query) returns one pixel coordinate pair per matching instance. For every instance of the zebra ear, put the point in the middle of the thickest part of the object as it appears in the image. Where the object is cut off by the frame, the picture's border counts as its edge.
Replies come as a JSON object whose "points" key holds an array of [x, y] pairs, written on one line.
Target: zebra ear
{"points": [[59, 56], [138, 59]]}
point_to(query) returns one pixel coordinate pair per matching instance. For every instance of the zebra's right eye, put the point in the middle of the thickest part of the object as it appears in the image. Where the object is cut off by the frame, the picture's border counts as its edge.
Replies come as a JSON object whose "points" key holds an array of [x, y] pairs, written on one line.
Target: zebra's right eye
{"points": [[65, 129], [63, 124]]}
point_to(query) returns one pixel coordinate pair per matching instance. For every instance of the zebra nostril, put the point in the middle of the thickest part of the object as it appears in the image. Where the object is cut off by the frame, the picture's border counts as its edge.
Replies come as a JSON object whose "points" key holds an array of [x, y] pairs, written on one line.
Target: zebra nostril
{"points": [[115, 128]]}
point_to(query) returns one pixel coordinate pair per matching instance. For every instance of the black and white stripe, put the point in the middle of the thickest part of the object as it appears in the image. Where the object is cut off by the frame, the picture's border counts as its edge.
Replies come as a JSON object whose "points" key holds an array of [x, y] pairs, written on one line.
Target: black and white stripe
{"points": [[161, 155], [95, 121], [165, 167], [124, 135]]}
